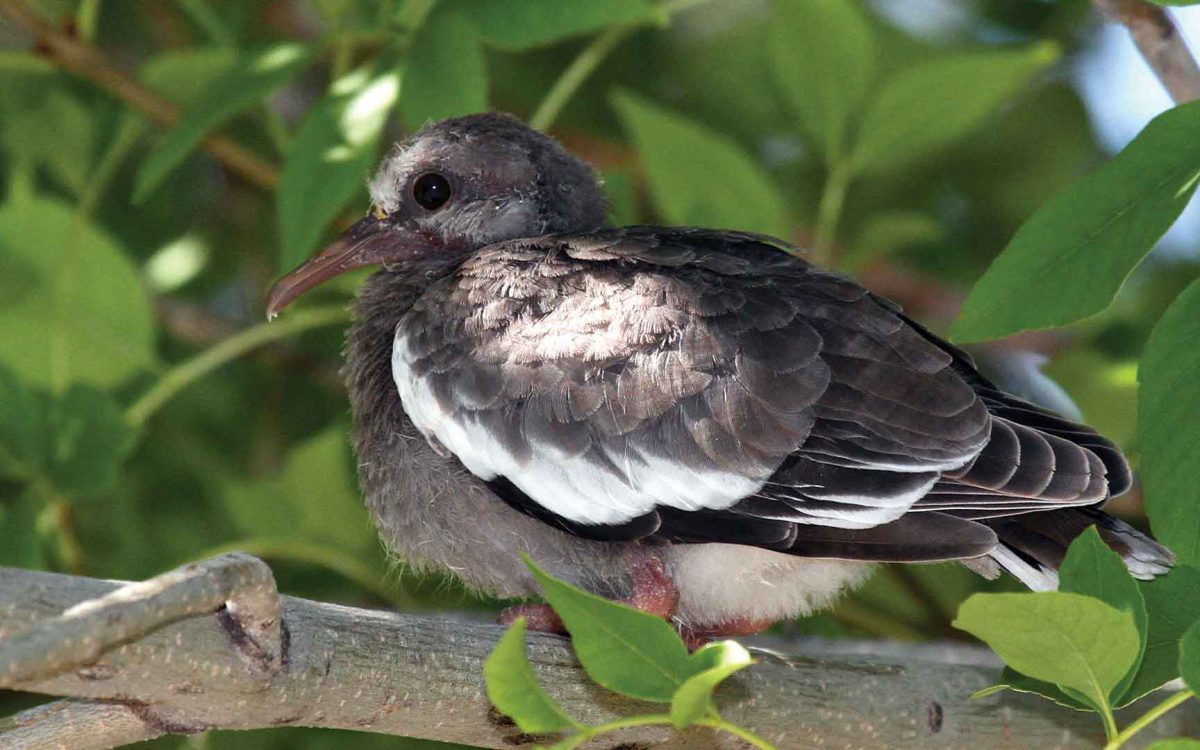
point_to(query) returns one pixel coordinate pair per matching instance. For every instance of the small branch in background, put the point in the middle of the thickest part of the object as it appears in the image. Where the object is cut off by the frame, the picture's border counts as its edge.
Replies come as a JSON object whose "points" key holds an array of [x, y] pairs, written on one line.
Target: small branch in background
{"points": [[78, 58], [79, 725], [1158, 39]]}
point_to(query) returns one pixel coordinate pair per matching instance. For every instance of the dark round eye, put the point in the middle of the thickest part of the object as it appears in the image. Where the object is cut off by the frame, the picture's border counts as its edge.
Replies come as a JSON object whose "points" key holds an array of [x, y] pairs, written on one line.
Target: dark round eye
{"points": [[431, 191]]}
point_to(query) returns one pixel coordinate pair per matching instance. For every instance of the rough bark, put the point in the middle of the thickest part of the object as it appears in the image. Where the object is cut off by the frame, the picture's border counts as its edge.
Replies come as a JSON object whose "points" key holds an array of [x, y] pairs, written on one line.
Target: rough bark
{"points": [[136, 664]]}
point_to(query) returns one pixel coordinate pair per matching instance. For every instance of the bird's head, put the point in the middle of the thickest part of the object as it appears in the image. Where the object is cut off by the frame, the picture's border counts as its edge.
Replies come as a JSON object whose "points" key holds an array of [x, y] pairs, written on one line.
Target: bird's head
{"points": [[455, 186]]}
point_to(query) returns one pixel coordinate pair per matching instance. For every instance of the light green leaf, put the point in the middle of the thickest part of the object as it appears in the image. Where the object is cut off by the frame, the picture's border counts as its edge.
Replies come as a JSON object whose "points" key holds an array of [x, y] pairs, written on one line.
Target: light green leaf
{"points": [[330, 155], [698, 177], [312, 499], [823, 58], [1189, 657], [1093, 569], [184, 75], [1073, 641], [514, 690], [1070, 258], [88, 319], [87, 439], [931, 105], [535, 23], [56, 132], [1168, 401], [448, 76], [250, 80], [625, 650], [693, 700], [1181, 743], [1173, 605]]}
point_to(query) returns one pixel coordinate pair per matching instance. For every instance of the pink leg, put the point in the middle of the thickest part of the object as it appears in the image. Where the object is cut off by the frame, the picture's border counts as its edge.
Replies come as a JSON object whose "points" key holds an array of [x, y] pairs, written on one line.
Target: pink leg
{"points": [[699, 636], [653, 592]]}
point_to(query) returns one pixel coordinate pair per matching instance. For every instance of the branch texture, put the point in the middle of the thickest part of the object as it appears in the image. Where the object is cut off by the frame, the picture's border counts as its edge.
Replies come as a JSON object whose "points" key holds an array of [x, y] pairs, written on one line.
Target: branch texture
{"points": [[161, 668], [1158, 39]]}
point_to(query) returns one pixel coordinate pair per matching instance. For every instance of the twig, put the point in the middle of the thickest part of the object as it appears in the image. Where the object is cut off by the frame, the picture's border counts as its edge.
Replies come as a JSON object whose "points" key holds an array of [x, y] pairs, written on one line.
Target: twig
{"points": [[78, 725], [1160, 43], [81, 59], [240, 585], [188, 371], [421, 676]]}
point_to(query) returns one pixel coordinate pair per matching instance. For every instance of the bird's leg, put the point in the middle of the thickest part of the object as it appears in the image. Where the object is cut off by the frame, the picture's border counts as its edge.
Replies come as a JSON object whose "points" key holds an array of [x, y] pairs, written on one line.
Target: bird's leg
{"points": [[653, 592], [695, 637]]}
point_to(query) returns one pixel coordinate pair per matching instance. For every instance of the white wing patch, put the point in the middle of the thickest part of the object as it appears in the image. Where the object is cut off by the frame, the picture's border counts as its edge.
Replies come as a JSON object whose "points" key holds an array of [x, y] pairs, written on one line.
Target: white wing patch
{"points": [[576, 488]]}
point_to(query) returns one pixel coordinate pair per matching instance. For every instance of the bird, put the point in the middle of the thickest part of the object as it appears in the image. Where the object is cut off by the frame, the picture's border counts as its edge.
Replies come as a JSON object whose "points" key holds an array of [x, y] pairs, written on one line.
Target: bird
{"points": [[696, 422]]}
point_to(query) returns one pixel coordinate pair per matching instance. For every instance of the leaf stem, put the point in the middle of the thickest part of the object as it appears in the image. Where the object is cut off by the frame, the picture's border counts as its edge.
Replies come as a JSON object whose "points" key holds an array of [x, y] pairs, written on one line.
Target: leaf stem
{"points": [[743, 734], [185, 373], [1118, 739], [829, 212], [576, 73]]}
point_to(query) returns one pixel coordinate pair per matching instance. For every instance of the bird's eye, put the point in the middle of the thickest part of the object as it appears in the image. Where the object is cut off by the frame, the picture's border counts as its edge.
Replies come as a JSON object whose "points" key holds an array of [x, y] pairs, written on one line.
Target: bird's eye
{"points": [[431, 191]]}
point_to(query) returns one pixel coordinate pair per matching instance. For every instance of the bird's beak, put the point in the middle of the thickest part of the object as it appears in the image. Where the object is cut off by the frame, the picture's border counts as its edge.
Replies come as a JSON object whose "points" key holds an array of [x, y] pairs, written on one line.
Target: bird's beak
{"points": [[369, 242]]}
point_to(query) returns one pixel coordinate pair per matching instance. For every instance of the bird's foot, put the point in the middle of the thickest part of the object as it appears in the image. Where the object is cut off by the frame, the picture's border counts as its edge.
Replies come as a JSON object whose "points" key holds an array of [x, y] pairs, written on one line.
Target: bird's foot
{"points": [[695, 637], [653, 592], [538, 617]]}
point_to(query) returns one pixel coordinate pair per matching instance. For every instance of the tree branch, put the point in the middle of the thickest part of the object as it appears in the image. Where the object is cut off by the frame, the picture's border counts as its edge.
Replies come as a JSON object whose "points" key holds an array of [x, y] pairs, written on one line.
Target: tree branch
{"points": [[165, 668], [78, 58], [1159, 41]]}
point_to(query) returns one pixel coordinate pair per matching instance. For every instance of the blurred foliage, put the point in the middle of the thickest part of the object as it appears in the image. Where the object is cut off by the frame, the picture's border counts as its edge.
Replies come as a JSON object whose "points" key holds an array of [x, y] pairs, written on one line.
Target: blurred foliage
{"points": [[127, 249]]}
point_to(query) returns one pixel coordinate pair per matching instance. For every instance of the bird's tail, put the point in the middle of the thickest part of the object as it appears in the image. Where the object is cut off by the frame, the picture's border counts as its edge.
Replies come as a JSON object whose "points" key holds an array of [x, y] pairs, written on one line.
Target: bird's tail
{"points": [[1032, 546]]}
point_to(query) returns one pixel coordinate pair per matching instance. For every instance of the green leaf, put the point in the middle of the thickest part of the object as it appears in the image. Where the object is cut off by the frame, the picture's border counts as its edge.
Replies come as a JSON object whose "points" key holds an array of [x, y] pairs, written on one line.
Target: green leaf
{"points": [[1073, 641], [514, 690], [57, 131], [20, 428], [1168, 400], [823, 58], [1011, 679], [449, 77], [1093, 569], [623, 649], [693, 700], [1181, 743], [88, 439], [535, 23], [88, 318], [1189, 657], [312, 499], [331, 153], [20, 541], [1173, 605], [931, 105], [250, 80], [1070, 258], [693, 172]]}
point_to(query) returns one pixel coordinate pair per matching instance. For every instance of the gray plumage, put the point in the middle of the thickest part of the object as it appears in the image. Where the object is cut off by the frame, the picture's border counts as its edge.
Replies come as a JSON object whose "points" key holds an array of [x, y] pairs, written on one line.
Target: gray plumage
{"points": [[525, 379]]}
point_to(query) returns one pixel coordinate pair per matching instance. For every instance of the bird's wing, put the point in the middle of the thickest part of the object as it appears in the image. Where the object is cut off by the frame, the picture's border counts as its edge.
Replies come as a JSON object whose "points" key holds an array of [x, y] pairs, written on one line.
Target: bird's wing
{"points": [[695, 386]]}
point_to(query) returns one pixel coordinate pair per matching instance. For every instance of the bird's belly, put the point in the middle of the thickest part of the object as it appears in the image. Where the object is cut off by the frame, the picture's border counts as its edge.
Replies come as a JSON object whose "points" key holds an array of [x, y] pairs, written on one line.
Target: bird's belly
{"points": [[722, 583]]}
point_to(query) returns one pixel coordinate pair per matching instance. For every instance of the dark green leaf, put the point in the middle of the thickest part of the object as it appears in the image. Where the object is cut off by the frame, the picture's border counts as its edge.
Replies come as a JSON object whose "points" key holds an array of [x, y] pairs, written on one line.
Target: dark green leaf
{"points": [[1173, 604], [1073, 641], [1011, 679], [313, 499], [514, 690], [698, 177], [1168, 401], [330, 155], [1093, 569], [20, 541], [931, 105], [1070, 258], [625, 650], [693, 700], [88, 320], [1189, 657], [823, 59], [249, 81], [533, 23], [448, 75], [87, 441], [20, 428]]}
